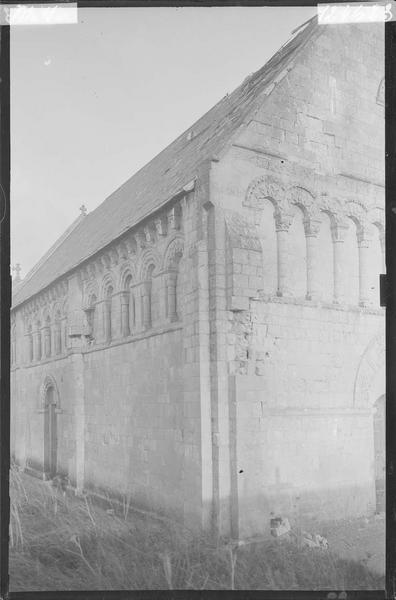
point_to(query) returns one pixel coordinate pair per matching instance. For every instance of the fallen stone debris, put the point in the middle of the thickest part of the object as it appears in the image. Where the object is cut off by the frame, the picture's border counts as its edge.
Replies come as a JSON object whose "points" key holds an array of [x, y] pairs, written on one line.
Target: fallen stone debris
{"points": [[314, 541], [280, 526]]}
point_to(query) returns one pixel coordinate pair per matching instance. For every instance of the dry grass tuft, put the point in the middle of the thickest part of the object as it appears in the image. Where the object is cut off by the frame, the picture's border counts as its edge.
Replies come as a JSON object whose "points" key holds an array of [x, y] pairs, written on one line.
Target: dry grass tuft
{"points": [[59, 542]]}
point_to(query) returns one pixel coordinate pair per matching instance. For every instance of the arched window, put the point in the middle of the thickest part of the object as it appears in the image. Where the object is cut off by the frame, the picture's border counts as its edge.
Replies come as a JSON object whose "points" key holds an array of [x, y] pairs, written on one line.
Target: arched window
{"points": [[29, 338], [132, 311], [47, 337], [174, 289], [57, 333], [50, 434], [39, 352], [351, 264], [147, 298], [91, 316], [325, 259], [297, 255], [269, 248], [108, 321], [126, 299], [65, 334], [65, 327], [179, 293]]}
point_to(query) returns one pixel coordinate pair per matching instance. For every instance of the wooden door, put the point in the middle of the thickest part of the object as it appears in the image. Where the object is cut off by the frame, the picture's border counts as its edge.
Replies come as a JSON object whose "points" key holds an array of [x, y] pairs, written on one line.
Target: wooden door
{"points": [[50, 436]]}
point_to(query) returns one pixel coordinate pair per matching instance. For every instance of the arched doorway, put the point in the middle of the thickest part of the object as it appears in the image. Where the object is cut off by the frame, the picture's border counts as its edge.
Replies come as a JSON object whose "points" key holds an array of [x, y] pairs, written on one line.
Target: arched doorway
{"points": [[379, 453], [50, 434]]}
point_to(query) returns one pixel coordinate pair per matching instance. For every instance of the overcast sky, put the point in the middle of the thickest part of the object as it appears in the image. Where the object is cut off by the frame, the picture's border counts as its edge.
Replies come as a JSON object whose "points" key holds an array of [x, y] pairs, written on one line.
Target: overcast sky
{"points": [[91, 103]]}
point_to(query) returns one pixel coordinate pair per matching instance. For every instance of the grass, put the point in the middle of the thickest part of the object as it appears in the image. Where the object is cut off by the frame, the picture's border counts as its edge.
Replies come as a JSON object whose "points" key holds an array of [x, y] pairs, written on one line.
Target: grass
{"points": [[61, 542]]}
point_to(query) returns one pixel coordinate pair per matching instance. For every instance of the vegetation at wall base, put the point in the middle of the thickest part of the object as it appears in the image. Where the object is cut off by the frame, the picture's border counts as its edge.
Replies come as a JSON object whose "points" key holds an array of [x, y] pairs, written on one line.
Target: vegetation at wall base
{"points": [[61, 542]]}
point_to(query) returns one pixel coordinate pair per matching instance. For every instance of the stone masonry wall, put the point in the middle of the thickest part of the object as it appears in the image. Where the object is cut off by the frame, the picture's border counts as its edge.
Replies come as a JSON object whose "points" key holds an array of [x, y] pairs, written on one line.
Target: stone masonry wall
{"points": [[304, 435], [115, 342], [301, 191], [134, 421], [207, 363]]}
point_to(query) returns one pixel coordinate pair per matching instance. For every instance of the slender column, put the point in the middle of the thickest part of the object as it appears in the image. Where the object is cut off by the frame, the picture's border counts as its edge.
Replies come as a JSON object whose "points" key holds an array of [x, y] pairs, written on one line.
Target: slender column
{"points": [[43, 354], [364, 246], [107, 325], [338, 235], [37, 349], [47, 341], [65, 333], [57, 337], [171, 280], [29, 347], [312, 228], [125, 323], [137, 292], [146, 304], [282, 225], [132, 310]]}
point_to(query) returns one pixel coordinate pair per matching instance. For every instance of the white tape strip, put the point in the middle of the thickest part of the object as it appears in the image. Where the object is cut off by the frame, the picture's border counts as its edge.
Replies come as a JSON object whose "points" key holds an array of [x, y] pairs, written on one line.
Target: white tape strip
{"points": [[38, 14], [366, 12]]}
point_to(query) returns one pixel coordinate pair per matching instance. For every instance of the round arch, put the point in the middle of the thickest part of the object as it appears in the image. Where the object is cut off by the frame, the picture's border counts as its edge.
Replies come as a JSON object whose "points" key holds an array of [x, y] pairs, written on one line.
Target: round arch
{"points": [[304, 199], [107, 282], [91, 289], [147, 259], [267, 187], [126, 271], [48, 383], [174, 249]]}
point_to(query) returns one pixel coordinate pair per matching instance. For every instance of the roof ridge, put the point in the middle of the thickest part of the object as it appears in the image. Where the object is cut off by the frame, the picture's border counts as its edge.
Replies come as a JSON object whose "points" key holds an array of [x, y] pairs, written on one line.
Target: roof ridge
{"points": [[226, 97], [51, 249], [156, 182]]}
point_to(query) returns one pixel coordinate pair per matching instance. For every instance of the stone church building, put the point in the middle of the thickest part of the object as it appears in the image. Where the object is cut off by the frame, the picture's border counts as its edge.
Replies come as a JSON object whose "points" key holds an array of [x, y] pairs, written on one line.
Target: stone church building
{"points": [[208, 342]]}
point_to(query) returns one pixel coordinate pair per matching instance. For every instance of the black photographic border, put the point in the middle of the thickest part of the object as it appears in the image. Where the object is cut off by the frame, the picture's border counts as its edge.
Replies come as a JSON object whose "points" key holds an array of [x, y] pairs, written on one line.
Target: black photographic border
{"points": [[390, 299]]}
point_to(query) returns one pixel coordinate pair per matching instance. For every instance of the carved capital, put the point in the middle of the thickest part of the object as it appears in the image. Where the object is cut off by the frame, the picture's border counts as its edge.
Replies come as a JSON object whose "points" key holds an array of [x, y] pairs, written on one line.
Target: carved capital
{"points": [[338, 231], [312, 227], [124, 298], [364, 238], [170, 277], [283, 221]]}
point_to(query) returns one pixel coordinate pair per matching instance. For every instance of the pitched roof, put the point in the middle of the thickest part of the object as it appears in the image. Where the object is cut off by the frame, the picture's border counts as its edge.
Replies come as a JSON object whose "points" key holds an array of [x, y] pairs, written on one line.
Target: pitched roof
{"points": [[164, 176]]}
